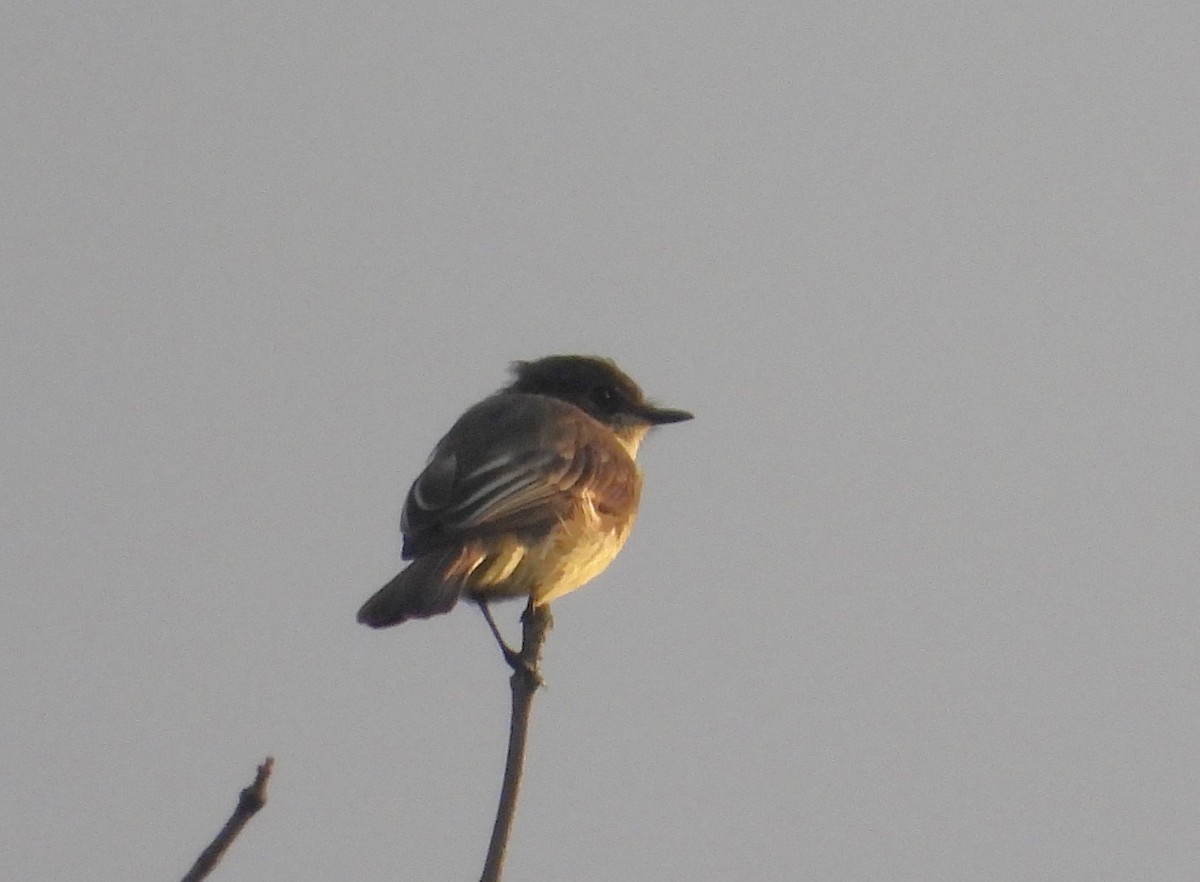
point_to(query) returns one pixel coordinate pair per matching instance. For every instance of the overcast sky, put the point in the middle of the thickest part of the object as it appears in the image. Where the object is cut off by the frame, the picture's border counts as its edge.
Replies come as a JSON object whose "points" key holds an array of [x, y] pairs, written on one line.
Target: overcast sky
{"points": [[912, 598]]}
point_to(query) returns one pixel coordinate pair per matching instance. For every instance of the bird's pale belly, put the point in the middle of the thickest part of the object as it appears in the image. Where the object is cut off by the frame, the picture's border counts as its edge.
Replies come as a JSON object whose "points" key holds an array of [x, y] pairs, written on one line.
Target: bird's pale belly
{"points": [[570, 555]]}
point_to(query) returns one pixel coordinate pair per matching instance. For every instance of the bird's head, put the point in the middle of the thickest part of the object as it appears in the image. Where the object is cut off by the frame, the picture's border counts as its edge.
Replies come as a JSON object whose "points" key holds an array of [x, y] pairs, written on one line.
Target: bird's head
{"points": [[597, 387]]}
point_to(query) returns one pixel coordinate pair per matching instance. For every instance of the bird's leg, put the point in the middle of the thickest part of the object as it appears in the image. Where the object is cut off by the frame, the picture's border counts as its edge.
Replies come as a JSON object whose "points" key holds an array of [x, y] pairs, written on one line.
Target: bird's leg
{"points": [[510, 655]]}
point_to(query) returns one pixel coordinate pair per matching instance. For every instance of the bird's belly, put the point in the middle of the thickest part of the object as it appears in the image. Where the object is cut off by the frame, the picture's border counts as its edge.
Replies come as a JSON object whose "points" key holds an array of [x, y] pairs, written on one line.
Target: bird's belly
{"points": [[552, 565]]}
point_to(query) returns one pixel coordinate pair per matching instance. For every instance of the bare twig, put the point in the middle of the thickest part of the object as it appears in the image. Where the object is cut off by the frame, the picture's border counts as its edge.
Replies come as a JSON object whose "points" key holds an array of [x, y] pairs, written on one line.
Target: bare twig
{"points": [[524, 682], [250, 801]]}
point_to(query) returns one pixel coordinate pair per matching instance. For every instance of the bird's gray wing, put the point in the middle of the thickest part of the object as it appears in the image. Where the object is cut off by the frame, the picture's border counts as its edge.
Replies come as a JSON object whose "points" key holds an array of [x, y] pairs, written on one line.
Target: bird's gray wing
{"points": [[513, 462]]}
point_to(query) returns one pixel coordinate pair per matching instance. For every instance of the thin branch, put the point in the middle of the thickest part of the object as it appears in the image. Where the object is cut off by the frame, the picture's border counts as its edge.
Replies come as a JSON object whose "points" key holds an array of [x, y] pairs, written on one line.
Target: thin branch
{"points": [[250, 801], [524, 682]]}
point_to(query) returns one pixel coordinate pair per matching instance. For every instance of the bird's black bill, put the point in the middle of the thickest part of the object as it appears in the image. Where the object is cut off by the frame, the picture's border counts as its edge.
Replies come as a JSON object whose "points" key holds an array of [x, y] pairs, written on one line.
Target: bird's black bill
{"points": [[659, 415]]}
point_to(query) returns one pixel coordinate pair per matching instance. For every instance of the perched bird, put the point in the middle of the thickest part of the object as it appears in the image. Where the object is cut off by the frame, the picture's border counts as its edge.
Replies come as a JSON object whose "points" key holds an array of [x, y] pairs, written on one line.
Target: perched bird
{"points": [[530, 494]]}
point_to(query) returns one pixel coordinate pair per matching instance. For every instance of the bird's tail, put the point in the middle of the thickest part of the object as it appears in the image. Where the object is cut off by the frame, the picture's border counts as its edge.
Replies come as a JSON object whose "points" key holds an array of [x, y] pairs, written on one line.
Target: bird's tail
{"points": [[424, 589]]}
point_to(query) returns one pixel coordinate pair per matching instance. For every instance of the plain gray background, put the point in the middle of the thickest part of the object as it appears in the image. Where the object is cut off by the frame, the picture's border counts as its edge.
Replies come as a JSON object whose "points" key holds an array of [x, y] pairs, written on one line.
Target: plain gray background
{"points": [[913, 598]]}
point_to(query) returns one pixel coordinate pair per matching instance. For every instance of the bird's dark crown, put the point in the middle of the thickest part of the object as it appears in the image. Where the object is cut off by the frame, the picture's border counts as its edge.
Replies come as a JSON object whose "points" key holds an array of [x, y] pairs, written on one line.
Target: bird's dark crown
{"points": [[593, 384]]}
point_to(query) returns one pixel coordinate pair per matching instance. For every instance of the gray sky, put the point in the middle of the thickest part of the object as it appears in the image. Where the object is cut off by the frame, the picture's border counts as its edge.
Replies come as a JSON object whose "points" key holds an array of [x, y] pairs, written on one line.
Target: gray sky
{"points": [[913, 598]]}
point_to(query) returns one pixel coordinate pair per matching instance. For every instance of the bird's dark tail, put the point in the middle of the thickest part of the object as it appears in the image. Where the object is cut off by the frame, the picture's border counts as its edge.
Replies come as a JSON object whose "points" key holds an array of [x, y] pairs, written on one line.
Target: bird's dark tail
{"points": [[422, 590]]}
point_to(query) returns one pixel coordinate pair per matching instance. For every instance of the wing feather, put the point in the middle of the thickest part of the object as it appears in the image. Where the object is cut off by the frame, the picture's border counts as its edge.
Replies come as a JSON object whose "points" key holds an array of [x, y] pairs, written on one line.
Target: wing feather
{"points": [[513, 463]]}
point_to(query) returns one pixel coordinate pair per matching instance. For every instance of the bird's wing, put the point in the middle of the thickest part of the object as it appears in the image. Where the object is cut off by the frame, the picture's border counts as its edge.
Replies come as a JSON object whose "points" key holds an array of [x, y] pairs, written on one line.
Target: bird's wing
{"points": [[514, 463]]}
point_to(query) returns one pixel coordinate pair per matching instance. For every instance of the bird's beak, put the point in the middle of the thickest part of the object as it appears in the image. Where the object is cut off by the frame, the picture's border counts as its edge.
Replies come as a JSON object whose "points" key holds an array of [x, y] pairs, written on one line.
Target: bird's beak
{"points": [[656, 416]]}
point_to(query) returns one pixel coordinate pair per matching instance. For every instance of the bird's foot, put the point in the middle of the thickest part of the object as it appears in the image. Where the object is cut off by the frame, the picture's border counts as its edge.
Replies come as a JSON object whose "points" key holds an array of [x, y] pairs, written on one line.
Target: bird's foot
{"points": [[523, 668]]}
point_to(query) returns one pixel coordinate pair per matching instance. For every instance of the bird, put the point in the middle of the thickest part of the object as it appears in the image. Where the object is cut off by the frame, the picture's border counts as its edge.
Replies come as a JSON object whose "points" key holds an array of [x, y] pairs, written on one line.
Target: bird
{"points": [[530, 494]]}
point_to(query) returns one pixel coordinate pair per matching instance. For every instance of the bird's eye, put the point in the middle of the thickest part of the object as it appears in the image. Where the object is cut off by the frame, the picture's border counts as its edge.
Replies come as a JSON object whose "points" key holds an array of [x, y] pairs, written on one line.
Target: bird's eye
{"points": [[605, 396]]}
